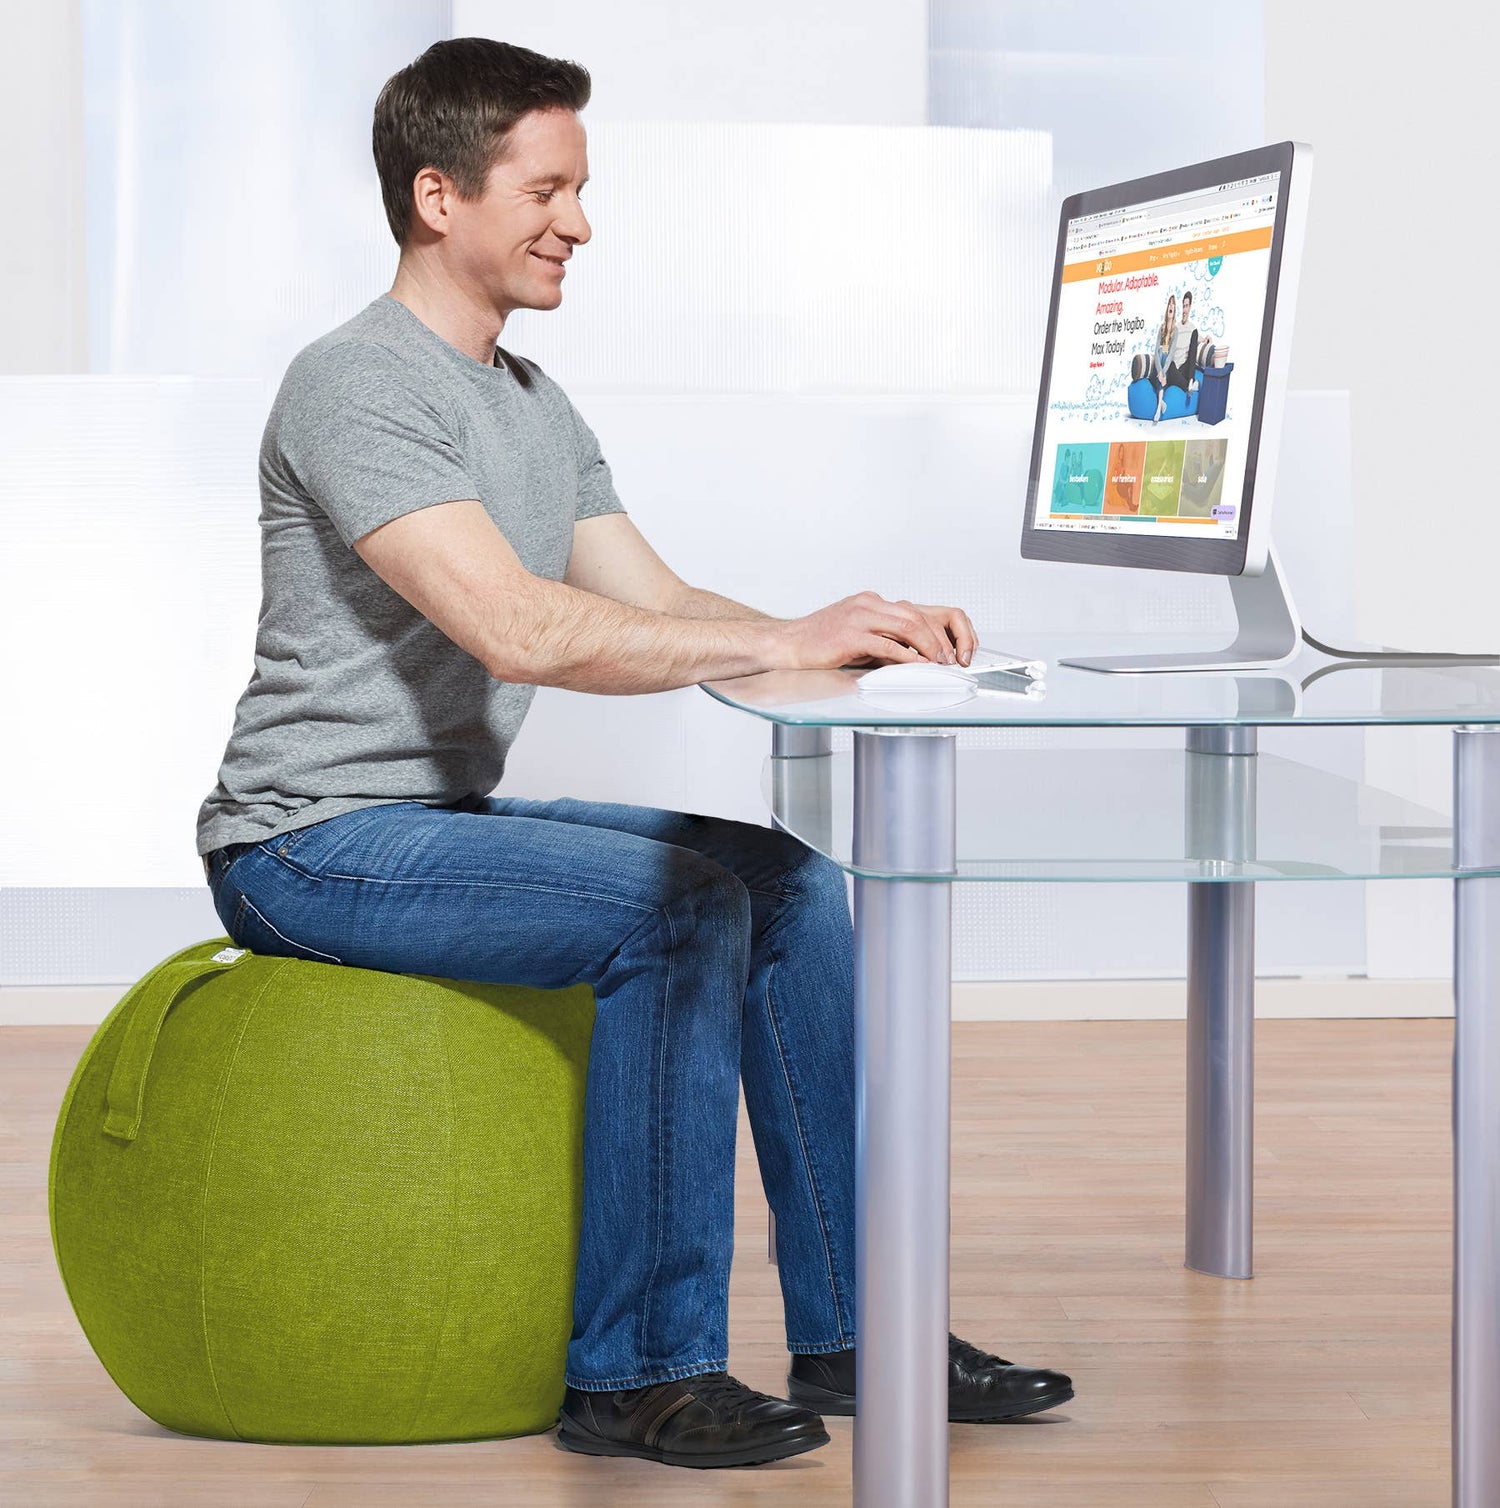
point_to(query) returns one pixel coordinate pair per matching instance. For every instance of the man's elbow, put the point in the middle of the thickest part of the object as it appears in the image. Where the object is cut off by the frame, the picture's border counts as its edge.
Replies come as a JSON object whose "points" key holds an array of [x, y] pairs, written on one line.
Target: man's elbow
{"points": [[531, 650], [511, 667], [519, 658]]}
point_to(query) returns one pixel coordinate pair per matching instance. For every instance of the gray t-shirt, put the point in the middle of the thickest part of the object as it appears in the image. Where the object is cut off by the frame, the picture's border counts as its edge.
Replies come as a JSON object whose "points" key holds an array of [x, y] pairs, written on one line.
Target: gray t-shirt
{"points": [[356, 699]]}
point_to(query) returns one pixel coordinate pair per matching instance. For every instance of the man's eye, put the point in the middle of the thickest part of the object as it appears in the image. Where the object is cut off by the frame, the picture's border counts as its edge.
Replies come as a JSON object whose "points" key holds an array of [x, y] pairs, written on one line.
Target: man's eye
{"points": [[544, 195]]}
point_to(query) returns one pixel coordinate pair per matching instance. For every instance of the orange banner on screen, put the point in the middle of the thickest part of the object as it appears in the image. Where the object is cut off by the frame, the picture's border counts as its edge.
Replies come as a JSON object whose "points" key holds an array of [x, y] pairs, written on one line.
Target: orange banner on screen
{"points": [[1167, 256]]}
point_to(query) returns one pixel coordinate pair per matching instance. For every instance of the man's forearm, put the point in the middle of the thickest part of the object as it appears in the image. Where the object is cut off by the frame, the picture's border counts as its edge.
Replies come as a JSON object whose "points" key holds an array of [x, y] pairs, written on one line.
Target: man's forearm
{"points": [[694, 602], [556, 635]]}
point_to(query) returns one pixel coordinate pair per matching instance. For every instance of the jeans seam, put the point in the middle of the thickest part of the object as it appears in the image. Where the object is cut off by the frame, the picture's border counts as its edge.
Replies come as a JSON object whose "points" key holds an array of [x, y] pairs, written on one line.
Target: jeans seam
{"points": [[807, 1162], [648, 1379], [658, 1152], [374, 879], [509, 885], [819, 1347]]}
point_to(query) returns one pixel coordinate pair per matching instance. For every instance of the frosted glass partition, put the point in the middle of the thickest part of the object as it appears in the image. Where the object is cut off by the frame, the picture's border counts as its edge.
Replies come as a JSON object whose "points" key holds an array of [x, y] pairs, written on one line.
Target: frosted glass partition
{"points": [[232, 205], [795, 258], [1124, 89]]}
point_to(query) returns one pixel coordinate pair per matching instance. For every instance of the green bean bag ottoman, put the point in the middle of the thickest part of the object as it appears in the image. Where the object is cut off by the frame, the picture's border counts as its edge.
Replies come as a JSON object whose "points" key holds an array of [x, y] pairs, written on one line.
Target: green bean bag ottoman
{"points": [[309, 1203]]}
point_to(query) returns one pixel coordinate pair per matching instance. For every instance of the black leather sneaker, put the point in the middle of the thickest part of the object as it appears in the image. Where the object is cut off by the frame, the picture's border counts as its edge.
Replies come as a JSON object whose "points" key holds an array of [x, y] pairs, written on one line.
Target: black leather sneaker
{"points": [[708, 1420], [982, 1389]]}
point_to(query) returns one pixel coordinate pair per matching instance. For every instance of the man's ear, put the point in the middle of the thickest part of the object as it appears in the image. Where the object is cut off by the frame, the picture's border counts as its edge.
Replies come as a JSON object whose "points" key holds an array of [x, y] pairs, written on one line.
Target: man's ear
{"points": [[430, 191]]}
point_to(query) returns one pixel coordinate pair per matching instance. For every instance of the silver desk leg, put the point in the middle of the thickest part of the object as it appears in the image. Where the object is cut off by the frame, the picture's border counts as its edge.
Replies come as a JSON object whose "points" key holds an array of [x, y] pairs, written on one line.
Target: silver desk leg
{"points": [[1476, 1122], [904, 820], [1221, 1005], [815, 822]]}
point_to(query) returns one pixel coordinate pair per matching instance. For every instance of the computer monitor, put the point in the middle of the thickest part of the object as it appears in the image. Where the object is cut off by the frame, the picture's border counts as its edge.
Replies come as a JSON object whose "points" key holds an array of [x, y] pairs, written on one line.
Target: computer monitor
{"points": [[1159, 415]]}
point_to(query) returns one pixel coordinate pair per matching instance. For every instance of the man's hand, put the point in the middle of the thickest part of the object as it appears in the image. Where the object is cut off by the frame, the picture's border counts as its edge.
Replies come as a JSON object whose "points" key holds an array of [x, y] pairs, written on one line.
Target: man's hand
{"points": [[866, 628], [952, 623]]}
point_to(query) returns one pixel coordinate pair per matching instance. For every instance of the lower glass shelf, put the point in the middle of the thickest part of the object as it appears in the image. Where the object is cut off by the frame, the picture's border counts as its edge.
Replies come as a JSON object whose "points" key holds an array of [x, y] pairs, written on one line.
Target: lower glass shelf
{"points": [[1082, 815]]}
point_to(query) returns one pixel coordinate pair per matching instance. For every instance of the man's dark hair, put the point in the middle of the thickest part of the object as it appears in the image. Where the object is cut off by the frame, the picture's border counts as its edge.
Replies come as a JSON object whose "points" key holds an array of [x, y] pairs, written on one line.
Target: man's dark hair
{"points": [[452, 109], [1187, 297]]}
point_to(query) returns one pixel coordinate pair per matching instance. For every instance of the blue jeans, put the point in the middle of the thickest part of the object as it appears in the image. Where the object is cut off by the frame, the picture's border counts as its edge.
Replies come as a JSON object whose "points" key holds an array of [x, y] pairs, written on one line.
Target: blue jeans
{"points": [[717, 951]]}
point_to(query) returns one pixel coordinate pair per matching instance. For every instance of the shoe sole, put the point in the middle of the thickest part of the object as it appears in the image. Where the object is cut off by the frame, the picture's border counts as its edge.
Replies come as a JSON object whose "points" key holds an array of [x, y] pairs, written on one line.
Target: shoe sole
{"points": [[572, 1436], [1035, 1406], [841, 1405]]}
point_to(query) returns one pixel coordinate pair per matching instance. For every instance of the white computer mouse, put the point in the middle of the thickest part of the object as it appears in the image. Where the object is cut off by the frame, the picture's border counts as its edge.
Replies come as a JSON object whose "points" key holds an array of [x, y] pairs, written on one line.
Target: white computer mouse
{"points": [[918, 675]]}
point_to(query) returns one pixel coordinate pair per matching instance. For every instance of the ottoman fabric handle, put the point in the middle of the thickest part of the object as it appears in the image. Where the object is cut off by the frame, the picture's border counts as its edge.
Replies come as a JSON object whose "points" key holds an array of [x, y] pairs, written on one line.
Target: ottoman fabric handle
{"points": [[126, 1094]]}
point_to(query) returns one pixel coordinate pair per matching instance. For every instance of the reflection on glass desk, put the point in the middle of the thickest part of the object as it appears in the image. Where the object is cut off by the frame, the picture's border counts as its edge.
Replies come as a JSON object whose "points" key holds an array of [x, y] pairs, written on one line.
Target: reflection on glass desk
{"points": [[1313, 689], [1137, 814]]}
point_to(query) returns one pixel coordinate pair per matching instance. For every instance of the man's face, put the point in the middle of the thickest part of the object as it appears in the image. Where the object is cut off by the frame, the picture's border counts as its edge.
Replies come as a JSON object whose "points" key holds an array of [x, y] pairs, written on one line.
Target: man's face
{"points": [[1187, 308], [514, 239]]}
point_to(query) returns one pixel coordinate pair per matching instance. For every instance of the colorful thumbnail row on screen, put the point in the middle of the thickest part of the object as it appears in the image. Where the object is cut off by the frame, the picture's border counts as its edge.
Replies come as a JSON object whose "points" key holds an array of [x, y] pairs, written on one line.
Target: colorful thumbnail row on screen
{"points": [[1144, 478]]}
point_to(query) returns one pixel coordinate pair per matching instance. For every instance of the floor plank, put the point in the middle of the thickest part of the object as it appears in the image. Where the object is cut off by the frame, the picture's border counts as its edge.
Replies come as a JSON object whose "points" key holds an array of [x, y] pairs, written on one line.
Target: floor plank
{"points": [[1322, 1382]]}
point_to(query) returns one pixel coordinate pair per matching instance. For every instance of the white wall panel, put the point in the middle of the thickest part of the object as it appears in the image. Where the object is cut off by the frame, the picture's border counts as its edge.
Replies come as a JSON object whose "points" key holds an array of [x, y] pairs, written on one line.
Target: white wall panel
{"points": [[853, 61], [795, 258], [1413, 184], [129, 585]]}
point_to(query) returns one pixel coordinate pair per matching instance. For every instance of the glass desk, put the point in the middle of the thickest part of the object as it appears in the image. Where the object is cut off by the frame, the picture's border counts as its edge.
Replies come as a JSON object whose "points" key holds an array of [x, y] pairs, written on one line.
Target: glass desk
{"points": [[909, 814]]}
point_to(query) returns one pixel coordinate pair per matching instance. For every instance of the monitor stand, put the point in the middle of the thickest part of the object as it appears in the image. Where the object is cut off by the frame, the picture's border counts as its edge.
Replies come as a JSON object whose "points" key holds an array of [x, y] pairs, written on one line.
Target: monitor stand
{"points": [[1269, 633]]}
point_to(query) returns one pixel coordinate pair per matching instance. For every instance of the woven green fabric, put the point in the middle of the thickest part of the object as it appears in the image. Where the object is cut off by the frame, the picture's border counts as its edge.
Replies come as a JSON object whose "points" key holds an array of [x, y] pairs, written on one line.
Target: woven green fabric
{"points": [[324, 1204]]}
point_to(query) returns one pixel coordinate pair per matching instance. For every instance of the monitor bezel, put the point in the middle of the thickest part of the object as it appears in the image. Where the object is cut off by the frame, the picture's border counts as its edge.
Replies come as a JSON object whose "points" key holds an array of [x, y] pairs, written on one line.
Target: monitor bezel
{"points": [[1213, 556]]}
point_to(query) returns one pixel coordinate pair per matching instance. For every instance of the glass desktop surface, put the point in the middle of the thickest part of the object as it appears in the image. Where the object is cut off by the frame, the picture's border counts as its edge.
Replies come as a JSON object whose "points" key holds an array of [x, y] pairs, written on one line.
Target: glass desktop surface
{"points": [[1139, 814], [1312, 690]]}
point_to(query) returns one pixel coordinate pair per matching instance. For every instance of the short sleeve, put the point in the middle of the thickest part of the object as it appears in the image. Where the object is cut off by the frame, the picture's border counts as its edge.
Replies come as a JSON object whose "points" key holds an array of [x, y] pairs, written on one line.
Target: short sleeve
{"points": [[360, 439], [596, 484]]}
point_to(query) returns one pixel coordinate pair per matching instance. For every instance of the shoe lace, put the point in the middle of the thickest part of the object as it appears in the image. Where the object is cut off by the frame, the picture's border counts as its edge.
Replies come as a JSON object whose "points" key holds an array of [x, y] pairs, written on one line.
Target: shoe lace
{"points": [[714, 1388], [971, 1357]]}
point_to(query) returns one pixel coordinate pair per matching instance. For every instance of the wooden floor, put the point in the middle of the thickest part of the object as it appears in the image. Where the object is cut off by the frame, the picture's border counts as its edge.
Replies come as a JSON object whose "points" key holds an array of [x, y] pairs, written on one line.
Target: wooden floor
{"points": [[1321, 1383]]}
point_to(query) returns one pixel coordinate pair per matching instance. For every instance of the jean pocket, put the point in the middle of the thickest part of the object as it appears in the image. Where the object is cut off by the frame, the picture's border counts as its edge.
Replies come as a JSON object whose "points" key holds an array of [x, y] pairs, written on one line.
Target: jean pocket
{"points": [[221, 861], [251, 928]]}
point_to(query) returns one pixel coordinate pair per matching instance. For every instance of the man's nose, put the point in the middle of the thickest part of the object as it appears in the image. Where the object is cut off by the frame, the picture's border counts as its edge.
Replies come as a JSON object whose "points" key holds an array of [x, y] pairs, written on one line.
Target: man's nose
{"points": [[572, 225]]}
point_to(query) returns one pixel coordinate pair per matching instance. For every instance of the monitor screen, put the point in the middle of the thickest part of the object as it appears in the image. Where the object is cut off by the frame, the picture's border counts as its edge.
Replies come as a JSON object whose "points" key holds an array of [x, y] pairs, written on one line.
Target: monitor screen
{"points": [[1149, 422]]}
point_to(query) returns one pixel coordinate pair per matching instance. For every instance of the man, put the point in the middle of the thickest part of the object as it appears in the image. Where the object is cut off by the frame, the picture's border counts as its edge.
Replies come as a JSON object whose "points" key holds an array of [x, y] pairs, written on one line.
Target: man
{"points": [[1182, 360], [440, 535], [1178, 361]]}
